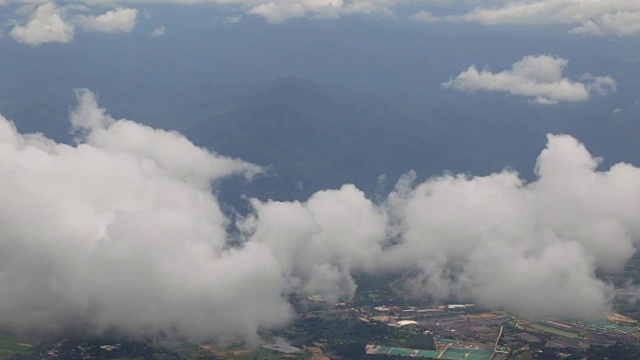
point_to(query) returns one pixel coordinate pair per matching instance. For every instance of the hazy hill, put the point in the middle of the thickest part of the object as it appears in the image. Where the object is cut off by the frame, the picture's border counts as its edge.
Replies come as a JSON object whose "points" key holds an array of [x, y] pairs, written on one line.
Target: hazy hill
{"points": [[313, 138]]}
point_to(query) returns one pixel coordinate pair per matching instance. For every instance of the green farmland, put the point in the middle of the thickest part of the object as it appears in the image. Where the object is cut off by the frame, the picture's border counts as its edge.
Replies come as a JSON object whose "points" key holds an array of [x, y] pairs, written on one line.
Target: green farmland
{"points": [[11, 345], [554, 330]]}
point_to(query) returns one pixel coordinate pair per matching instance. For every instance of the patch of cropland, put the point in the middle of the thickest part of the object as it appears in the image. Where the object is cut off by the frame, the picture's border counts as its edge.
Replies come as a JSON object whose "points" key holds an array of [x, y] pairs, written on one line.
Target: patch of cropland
{"points": [[11, 345]]}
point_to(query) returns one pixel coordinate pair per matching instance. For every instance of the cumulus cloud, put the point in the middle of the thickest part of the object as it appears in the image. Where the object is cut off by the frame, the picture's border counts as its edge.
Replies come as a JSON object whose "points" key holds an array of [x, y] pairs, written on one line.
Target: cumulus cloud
{"points": [[122, 231], [501, 242], [46, 24], [124, 19], [114, 21], [622, 23], [590, 17], [158, 31], [531, 248], [586, 17], [279, 11], [322, 241], [168, 148], [425, 16], [593, 17], [539, 77]]}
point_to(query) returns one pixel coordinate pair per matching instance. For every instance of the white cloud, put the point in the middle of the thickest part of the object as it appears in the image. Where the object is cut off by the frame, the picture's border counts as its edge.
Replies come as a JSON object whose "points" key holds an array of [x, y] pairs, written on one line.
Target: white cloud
{"points": [[553, 234], [614, 17], [279, 11], [426, 17], [321, 242], [122, 232], [622, 23], [378, 7], [158, 31], [457, 235], [282, 10], [114, 21], [46, 24], [234, 19], [586, 17], [599, 85], [538, 77], [593, 17], [167, 148]]}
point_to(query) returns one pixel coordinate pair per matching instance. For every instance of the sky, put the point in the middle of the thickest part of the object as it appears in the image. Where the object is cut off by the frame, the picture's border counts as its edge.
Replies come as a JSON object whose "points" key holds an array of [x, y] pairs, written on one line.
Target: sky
{"points": [[122, 229]]}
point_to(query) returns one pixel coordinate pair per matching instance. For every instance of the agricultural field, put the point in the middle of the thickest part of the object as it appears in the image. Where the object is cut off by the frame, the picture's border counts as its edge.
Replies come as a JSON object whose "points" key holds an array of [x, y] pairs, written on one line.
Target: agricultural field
{"points": [[553, 330], [10, 345], [200, 353]]}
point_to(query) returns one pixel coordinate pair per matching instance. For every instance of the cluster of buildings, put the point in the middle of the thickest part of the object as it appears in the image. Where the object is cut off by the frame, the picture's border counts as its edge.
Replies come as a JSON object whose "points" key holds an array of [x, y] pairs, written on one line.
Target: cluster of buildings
{"points": [[462, 333], [607, 330], [456, 334]]}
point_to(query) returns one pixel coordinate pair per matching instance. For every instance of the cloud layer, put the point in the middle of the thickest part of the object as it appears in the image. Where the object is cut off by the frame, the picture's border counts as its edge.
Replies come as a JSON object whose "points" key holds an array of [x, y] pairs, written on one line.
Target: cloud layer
{"points": [[122, 232], [590, 17], [539, 77], [47, 22]]}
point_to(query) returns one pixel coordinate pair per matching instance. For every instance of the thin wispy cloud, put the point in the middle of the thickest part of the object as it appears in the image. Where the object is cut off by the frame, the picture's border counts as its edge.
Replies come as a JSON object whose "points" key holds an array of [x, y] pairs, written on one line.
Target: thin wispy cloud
{"points": [[160, 31]]}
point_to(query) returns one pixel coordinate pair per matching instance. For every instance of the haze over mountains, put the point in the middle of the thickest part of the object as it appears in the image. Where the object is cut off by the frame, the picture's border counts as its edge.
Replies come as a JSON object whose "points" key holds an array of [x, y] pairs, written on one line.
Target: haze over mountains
{"points": [[290, 170]]}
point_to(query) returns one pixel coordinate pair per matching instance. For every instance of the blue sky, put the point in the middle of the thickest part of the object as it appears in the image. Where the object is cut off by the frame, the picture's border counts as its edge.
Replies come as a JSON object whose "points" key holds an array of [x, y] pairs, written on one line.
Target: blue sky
{"points": [[577, 22]]}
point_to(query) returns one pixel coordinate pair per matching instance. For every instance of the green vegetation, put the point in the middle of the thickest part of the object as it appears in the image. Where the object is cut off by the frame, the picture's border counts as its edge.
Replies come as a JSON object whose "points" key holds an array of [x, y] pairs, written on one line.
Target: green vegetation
{"points": [[194, 353], [223, 353], [10, 345]]}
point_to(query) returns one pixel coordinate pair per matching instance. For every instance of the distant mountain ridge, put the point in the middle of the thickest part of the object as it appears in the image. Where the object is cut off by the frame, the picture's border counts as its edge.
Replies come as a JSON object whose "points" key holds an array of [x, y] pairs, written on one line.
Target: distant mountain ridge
{"points": [[311, 138]]}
